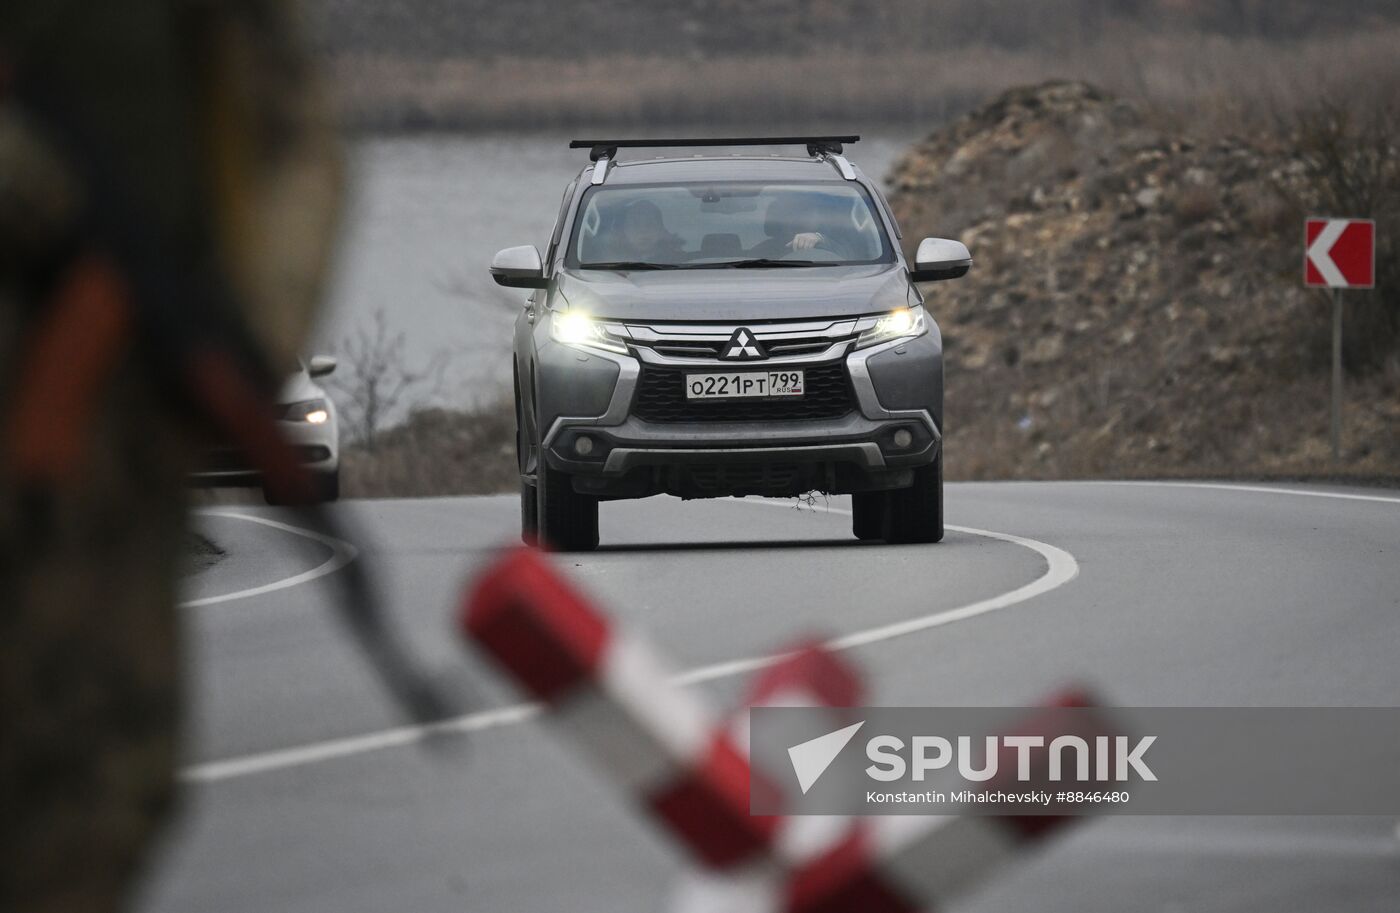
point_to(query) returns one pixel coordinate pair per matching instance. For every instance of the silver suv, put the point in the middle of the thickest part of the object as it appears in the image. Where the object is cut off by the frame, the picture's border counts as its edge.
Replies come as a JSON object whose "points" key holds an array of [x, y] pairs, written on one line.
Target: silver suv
{"points": [[727, 325]]}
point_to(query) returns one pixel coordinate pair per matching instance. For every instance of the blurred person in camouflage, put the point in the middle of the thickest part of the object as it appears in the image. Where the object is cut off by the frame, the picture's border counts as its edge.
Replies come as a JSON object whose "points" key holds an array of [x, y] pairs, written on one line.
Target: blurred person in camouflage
{"points": [[143, 145]]}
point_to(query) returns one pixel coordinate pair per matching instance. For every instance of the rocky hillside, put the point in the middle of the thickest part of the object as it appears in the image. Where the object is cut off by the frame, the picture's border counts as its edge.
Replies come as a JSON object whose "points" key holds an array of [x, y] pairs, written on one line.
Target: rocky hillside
{"points": [[1136, 306]]}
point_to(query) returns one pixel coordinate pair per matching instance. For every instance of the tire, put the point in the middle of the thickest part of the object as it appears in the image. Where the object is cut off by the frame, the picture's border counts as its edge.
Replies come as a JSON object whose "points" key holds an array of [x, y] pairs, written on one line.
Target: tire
{"points": [[325, 488], [529, 513], [916, 513], [868, 515], [568, 521], [328, 487]]}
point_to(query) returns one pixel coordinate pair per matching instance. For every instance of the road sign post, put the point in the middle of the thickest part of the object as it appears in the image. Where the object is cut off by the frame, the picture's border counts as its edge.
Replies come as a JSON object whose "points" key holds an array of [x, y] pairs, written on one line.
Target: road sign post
{"points": [[1338, 254], [1336, 374]]}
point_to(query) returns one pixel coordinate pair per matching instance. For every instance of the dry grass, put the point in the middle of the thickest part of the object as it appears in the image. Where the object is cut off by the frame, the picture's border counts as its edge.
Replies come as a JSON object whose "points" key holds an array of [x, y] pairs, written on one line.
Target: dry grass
{"points": [[1195, 203], [1208, 80], [437, 452]]}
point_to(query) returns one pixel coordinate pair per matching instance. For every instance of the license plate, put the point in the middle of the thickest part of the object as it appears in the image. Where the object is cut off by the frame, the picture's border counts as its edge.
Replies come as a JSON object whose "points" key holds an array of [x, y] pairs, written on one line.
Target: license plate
{"points": [[744, 385]]}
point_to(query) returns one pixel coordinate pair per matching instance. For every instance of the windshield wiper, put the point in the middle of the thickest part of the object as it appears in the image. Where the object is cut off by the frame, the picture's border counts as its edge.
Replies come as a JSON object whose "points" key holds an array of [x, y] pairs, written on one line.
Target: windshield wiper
{"points": [[765, 263], [628, 265]]}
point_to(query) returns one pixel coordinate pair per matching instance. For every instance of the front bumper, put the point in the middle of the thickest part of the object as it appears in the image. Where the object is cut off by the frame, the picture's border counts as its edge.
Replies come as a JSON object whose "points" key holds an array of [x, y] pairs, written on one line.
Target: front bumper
{"points": [[895, 387], [316, 447]]}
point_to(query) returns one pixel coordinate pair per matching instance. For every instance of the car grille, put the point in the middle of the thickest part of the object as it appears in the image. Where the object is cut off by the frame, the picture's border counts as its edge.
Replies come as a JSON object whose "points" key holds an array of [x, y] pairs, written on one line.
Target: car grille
{"points": [[661, 398], [698, 348]]}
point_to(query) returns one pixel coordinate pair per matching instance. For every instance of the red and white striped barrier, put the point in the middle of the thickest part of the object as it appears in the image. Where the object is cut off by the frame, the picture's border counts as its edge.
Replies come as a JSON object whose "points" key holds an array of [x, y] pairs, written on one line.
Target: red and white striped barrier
{"points": [[899, 864], [613, 696], [808, 675]]}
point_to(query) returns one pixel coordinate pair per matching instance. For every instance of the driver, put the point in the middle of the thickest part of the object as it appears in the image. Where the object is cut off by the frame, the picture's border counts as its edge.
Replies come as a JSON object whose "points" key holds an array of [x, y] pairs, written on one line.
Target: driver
{"points": [[788, 224], [642, 236]]}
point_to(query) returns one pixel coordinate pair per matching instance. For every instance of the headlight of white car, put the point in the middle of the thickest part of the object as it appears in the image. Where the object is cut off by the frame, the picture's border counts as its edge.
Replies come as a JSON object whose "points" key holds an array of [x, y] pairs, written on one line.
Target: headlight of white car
{"points": [[311, 411], [574, 328], [900, 324]]}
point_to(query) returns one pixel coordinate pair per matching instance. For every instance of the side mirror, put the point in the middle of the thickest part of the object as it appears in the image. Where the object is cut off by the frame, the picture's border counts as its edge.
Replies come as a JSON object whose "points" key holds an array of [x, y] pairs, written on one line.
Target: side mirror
{"points": [[518, 267], [320, 365], [939, 258]]}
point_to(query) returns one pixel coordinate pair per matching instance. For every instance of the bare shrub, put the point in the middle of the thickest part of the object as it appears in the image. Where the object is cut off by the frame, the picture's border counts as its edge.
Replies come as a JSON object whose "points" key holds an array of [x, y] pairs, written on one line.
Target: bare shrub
{"points": [[1265, 211], [375, 379]]}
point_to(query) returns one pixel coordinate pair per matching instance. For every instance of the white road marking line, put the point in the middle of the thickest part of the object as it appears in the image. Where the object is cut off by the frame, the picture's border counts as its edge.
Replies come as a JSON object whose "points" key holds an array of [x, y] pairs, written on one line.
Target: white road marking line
{"points": [[248, 765], [1221, 839], [1061, 569], [1261, 489], [342, 553]]}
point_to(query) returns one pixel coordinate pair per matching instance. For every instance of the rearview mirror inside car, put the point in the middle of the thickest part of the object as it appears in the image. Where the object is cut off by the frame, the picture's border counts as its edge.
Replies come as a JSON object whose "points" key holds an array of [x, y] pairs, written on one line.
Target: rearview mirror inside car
{"points": [[940, 258], [518, 267]]}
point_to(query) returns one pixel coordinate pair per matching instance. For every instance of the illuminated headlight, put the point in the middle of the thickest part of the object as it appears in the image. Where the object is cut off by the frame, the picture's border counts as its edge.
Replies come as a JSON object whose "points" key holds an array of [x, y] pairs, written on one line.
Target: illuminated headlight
{"points": [[311, 411], [905, 322], [575, 329]]}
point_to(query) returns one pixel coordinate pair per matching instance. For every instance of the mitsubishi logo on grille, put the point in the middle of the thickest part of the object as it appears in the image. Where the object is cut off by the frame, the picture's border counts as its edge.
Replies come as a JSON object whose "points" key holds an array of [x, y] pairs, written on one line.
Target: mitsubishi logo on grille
{"points": [[742, 346]]}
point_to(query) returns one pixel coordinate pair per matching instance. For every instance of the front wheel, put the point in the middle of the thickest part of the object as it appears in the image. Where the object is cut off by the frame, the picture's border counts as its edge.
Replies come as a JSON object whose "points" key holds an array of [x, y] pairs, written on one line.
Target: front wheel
{"points": [[328, 486], [868, 515], [915, 514], [567, 521], [325, 488]]}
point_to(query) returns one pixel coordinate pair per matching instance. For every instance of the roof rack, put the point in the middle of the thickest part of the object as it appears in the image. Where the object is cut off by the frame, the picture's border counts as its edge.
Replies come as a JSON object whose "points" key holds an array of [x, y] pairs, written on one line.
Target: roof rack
{"points": [[816, 145]]}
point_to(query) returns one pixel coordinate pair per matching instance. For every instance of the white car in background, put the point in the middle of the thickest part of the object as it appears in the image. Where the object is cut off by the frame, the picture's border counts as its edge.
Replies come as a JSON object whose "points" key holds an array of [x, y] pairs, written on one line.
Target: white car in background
{"points": [[307, 419]]}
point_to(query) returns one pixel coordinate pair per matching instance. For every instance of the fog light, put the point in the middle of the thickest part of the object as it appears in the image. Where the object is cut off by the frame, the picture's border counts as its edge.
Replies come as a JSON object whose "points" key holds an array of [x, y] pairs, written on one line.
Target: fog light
{"points": [[902, 438], [583, 446]]}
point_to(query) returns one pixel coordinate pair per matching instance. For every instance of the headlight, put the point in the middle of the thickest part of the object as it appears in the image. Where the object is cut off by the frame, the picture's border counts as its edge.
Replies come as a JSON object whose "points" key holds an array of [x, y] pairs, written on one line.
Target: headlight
{"points": [[577, 329], [311, 411], [905, 322]]}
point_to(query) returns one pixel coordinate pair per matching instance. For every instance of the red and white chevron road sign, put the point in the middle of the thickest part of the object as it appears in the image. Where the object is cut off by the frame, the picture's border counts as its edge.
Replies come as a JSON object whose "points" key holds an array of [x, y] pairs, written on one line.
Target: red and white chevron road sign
{"points": [[1340, 253]]}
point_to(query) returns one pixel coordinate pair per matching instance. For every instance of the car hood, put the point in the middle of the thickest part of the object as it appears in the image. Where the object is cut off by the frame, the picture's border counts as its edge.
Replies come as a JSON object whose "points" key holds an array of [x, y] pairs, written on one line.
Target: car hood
{"points": [[299, 387], [796, 293]]}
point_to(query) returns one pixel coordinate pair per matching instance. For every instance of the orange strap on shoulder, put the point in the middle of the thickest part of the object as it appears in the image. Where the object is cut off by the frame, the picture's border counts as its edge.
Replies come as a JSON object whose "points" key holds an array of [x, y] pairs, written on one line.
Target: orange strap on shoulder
{"points": [[73, 349]]}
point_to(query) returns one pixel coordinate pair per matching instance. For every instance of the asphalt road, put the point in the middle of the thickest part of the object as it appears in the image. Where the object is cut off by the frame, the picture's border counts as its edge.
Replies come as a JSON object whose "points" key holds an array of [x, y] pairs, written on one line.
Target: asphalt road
{"points": [[305, 794]]}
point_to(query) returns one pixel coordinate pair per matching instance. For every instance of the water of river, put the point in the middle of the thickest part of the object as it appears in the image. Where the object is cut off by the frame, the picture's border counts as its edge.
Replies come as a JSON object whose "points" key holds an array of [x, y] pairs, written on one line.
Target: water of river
{"points": [[427, 213]]}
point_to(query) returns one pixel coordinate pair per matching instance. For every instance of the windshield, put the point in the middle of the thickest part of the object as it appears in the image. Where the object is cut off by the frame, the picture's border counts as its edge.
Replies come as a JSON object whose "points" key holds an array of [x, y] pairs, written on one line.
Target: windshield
{"points": [[714, 225]]}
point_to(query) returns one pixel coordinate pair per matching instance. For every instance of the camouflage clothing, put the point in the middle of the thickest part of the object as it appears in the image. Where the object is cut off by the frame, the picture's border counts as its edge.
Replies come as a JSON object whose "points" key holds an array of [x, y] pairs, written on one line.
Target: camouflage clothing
{"points": [[203, 112]]}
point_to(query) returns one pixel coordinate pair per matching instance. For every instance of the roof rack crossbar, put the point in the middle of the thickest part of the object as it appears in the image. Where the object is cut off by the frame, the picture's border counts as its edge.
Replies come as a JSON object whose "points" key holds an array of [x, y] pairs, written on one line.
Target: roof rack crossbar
{"points": [[816, 145]]}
